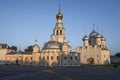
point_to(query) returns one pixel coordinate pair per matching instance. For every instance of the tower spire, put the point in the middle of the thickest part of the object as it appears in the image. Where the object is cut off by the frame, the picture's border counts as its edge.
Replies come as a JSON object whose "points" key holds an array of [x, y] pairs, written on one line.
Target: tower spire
{"points": [[59, 15], [59, 7], [85, 32], [93, 27]]}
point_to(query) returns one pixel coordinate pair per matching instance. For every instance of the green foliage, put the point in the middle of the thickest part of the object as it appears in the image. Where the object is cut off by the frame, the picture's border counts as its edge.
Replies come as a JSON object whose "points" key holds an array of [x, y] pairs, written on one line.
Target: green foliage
{"points": [[29, 49], [117, 54], [13, 48]]}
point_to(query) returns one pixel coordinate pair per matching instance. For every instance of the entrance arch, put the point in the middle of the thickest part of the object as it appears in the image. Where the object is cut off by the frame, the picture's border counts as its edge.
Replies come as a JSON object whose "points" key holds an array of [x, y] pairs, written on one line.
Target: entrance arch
{"points": [[90, 60]]}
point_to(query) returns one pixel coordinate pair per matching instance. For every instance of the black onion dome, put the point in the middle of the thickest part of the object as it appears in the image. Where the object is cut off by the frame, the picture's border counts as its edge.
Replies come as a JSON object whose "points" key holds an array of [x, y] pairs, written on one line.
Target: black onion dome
{"points": [[93, 34]]}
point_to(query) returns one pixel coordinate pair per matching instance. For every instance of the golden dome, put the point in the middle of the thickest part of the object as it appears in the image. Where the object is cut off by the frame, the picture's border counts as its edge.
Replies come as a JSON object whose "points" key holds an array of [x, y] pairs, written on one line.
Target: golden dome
{"points": [[59, 16]]}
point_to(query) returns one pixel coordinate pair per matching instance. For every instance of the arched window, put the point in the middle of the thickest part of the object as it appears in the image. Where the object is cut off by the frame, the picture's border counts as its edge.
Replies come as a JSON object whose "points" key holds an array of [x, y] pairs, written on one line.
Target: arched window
{"points": [[75, 57], [65, 57], [31, 58], [57, 32], [60, 32], [71, 57], [51, 57], [26, 59], [39, 58], [57, 58], [47, 57]]}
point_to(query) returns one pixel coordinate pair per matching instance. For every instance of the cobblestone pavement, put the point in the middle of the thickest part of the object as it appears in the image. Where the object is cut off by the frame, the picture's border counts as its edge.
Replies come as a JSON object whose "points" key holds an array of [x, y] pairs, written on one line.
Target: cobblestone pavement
{"points": [[58, 73]]}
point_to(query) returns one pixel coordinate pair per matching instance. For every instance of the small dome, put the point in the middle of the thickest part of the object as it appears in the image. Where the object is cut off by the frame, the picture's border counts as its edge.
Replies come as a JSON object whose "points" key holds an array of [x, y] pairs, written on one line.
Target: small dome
{"points": [[36, 42], [103, 39], [66, 44], [85, 37], [59, 15], [98, 36], [52, 45]]}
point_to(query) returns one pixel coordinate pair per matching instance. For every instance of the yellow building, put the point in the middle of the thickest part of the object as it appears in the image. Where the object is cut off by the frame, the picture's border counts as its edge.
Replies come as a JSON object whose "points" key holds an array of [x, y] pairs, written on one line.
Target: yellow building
{"points": [[3, 52], [57, 51]]}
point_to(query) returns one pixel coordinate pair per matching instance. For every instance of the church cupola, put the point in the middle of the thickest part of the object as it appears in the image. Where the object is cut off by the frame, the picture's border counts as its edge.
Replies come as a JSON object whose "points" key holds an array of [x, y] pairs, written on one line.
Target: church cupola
{"points": [[98, 39], [36, 43], [86, 40], [103, 40], [59, 16], [36, 47]]}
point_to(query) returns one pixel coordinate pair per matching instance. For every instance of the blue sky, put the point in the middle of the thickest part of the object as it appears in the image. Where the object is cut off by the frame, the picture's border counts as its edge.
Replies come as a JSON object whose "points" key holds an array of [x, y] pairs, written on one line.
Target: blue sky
{"points": [[23, 21]]}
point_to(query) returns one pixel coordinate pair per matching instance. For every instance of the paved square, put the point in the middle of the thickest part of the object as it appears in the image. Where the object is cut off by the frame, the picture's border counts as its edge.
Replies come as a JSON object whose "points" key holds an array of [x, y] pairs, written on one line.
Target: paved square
{"points": [[58, 73]]}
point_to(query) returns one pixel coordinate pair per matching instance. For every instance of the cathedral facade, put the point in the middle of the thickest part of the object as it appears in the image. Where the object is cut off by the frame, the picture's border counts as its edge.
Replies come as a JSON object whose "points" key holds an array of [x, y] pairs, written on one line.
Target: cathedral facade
{"points": [[58, 52], [94, 50]]}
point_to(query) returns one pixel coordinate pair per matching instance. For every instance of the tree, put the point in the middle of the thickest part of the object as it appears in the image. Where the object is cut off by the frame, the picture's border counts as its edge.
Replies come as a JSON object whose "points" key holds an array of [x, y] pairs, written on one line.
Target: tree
{"points": [[13, 48], [29, 49], [117, 54]]}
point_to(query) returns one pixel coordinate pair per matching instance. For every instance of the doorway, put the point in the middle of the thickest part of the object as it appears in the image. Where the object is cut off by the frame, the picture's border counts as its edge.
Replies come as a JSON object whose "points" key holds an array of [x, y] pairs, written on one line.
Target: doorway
{"points": [[90, 60]]}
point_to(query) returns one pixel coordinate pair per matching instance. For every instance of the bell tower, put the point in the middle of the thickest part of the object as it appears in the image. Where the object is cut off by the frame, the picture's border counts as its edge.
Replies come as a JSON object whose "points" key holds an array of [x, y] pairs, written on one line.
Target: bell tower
{"points": [[59, 30], [36, 48]]}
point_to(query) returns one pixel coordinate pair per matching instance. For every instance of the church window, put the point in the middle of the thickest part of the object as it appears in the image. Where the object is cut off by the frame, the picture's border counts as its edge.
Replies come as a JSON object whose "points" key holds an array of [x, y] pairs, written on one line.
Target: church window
{"points": [[26, 59], [65, 57], [75, 57], [47, 57], [71, 57], [51, 57], [31, 58], [60, 32], [57, 58], [57, 32]]}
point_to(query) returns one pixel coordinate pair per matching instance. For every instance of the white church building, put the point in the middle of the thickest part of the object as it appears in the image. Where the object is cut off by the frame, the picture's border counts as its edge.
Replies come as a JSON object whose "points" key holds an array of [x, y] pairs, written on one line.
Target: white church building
{"points": [[94, 50]]}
